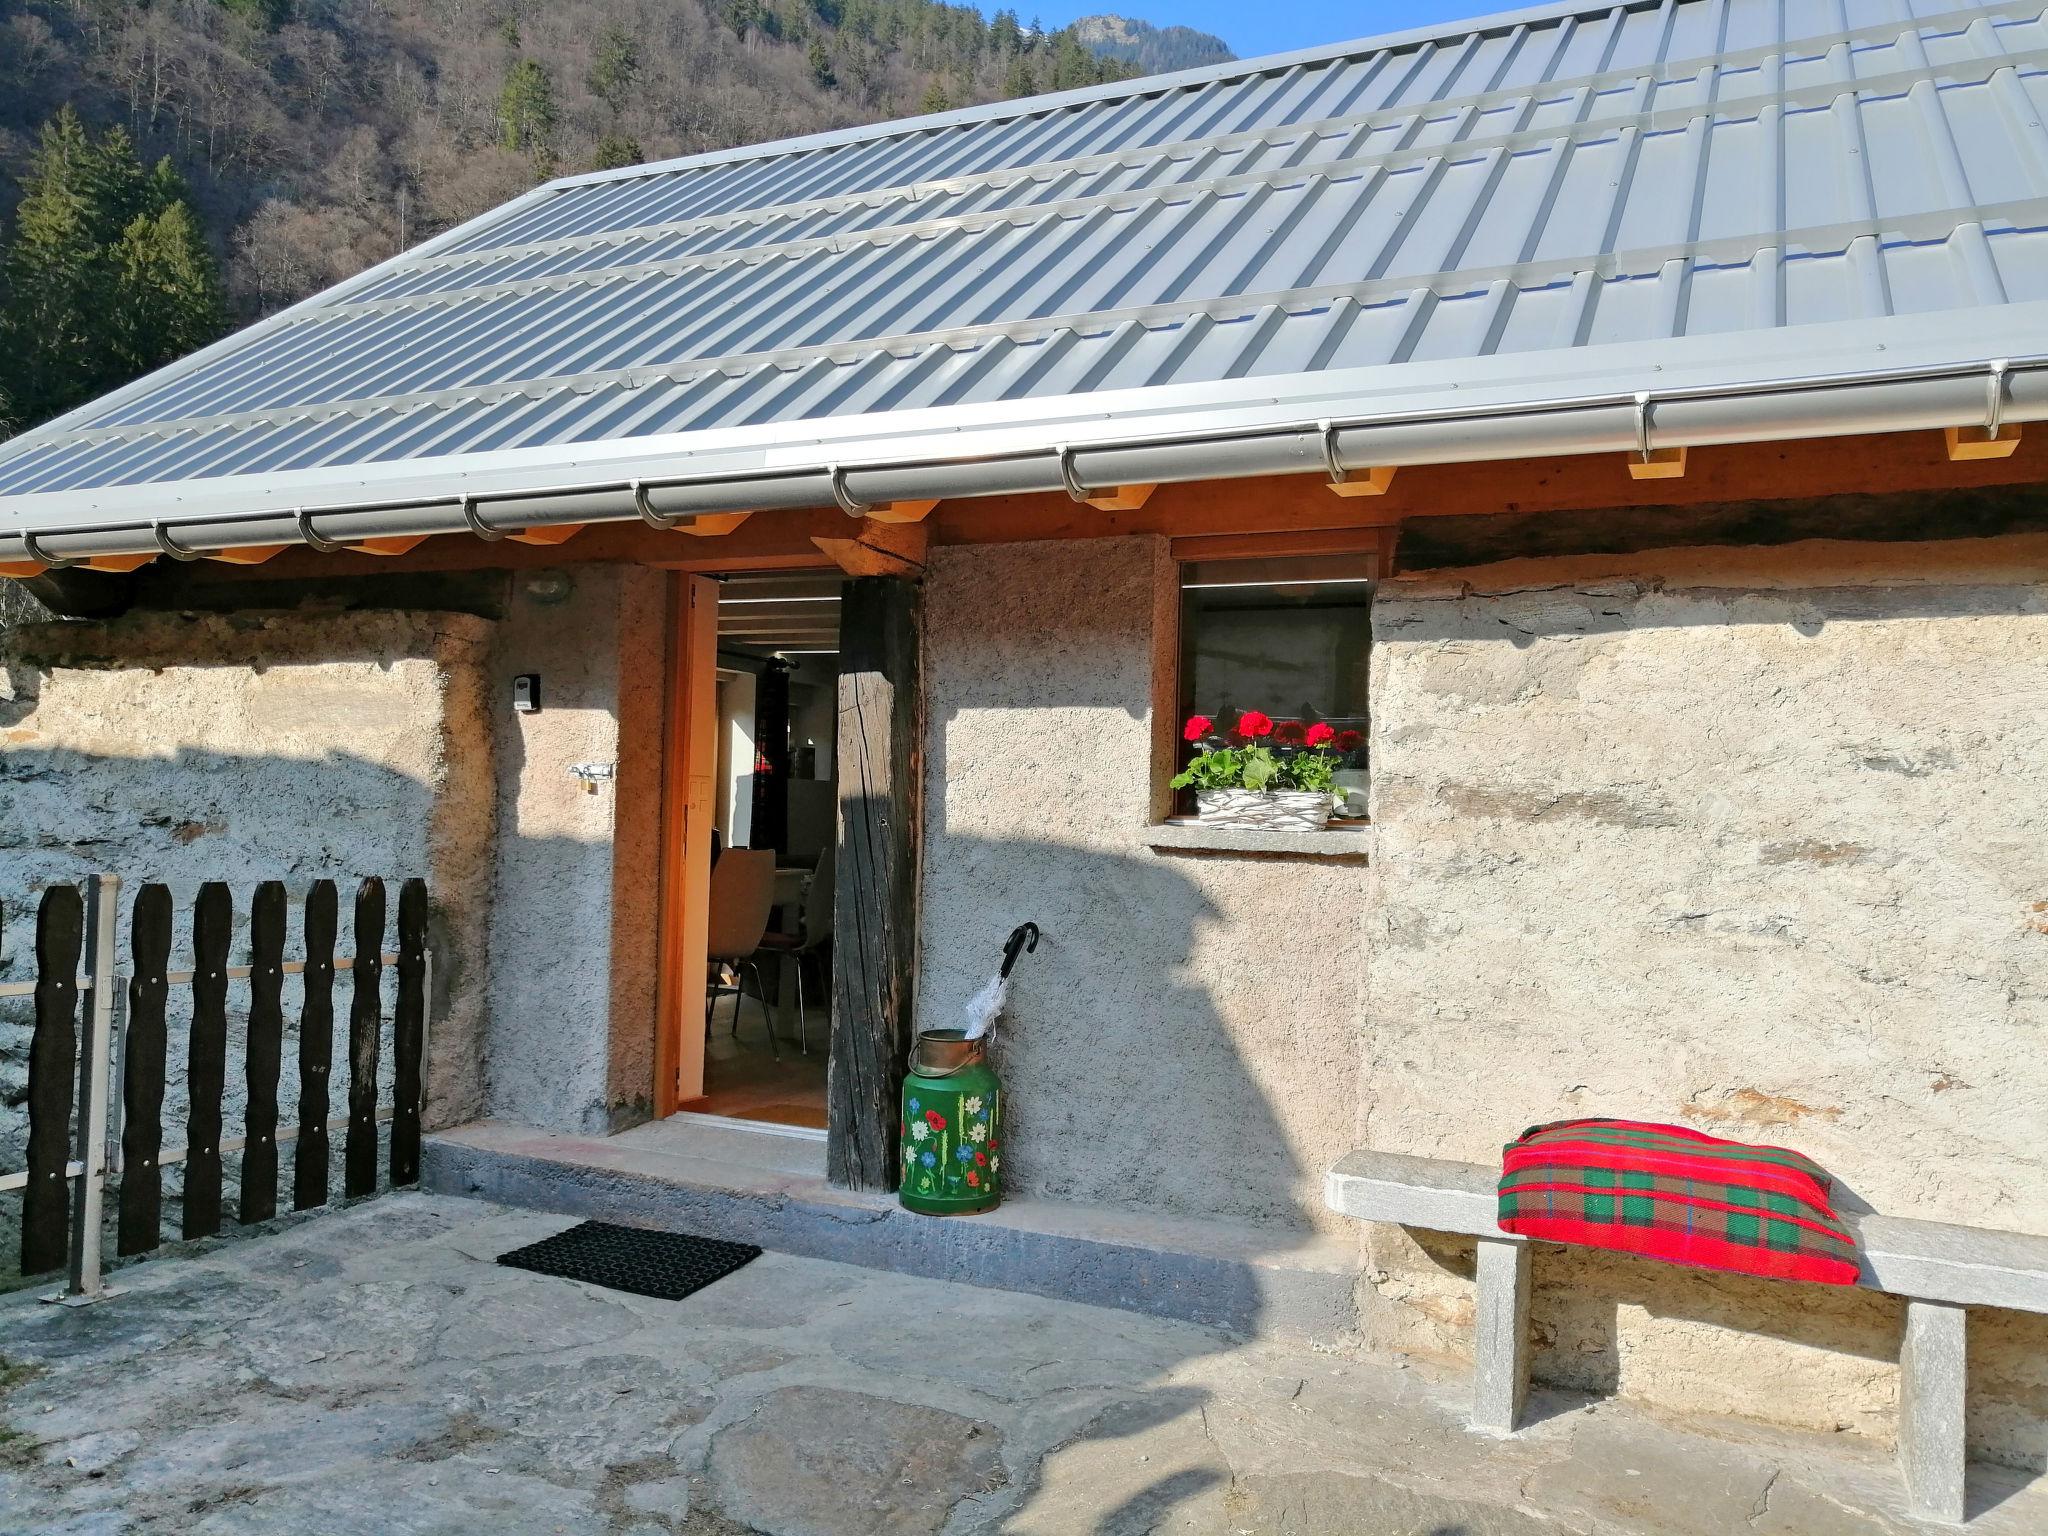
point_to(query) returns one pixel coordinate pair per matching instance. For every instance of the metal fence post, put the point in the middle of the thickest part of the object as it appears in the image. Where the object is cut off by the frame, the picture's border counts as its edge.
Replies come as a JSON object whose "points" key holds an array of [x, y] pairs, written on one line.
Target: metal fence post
{"points": [[94, 1085]]}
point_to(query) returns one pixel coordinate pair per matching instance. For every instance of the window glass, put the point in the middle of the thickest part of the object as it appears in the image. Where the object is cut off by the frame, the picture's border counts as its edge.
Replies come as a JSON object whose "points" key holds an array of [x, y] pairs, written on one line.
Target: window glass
{"points": [[1290, 639]]}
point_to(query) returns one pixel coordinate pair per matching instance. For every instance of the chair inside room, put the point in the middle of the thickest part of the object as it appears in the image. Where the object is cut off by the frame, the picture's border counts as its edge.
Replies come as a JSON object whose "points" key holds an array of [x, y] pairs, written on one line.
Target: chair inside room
{"points": [[742, 893]]}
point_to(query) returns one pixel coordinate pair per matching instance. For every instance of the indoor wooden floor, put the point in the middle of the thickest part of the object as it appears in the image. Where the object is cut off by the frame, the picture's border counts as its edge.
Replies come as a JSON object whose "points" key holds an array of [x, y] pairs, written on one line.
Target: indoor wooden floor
{"points": [[743, 1081]]}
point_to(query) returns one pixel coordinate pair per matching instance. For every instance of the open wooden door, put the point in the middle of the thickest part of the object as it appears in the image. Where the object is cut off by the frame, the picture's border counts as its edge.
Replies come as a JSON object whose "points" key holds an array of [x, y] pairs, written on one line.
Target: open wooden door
{"points": [[689, 777]]}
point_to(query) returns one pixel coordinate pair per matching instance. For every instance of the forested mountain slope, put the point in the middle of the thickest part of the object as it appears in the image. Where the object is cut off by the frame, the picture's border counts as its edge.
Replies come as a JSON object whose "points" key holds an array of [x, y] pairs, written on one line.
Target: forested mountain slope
{"points": [[306, 139]]}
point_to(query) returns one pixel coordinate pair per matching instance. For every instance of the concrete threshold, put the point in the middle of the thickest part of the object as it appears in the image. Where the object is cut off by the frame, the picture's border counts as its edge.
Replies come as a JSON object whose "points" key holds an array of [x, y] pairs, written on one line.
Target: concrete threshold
{"points": [[732, 1183]]}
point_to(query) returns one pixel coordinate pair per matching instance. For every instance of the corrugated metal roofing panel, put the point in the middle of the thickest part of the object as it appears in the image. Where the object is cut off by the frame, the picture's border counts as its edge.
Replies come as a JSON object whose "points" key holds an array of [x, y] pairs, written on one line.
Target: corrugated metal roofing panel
{"points": [[1502, 189]]}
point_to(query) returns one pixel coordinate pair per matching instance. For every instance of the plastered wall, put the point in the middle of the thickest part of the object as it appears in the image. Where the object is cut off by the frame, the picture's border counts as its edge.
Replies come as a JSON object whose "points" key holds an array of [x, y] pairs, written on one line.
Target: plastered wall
{"points": [[1185, 1041], [574, 894], [1755, 842]]}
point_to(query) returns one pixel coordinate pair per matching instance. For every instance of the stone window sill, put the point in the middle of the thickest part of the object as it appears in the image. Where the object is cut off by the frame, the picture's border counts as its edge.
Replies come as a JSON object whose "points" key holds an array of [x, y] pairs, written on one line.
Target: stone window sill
{"points": [[1350, 841]]}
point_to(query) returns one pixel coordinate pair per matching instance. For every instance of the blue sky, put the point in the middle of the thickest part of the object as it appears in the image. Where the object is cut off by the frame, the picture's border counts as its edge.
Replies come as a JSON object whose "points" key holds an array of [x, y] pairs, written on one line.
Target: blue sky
{"points": [[1253, 27]]}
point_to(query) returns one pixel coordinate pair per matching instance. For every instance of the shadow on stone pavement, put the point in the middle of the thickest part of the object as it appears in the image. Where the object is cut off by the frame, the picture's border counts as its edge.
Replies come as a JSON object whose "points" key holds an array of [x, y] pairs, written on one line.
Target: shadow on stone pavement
{"points": [[374, 1370]]}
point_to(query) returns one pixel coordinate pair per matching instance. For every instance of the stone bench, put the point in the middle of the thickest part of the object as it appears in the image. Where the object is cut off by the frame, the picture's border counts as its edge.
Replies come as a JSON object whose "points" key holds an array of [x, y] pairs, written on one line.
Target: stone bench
{"points": [[1941, 1270]]}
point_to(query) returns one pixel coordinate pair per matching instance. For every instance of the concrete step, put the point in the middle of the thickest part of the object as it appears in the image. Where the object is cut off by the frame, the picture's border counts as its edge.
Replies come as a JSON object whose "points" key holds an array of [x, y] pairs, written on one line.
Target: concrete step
{"points": [[747, 1186]]}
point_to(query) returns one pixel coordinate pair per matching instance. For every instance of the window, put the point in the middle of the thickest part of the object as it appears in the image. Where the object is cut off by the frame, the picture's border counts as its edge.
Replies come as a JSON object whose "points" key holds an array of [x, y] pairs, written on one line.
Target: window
{"points": [[1287, 638]]}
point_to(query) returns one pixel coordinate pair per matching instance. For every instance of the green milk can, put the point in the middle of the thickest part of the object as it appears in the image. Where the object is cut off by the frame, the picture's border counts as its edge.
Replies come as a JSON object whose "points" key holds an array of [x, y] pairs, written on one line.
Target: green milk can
{"points": [[952, 1127], [953, 1105]]}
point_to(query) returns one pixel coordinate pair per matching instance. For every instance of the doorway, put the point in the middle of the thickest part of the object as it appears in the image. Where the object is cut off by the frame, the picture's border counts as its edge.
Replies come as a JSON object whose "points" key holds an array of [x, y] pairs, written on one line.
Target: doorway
{"points": [[756, 698]]}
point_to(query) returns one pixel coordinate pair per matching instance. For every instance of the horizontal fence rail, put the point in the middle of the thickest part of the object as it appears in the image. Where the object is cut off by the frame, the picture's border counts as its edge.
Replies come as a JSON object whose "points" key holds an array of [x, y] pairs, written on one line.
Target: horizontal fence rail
{"points": [[96, 1086]]}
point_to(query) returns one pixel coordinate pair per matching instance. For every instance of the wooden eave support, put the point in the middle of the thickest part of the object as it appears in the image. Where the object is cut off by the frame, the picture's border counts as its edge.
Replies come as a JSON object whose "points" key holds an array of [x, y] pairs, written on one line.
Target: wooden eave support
{"points": [[549, 533], [1376, 481], [118, 564], [900, 511], [21, 570], [1657, 464], [397, 545], [880, 549], [248, 554], [1120, 498], [1968, 443], [712, 524]]}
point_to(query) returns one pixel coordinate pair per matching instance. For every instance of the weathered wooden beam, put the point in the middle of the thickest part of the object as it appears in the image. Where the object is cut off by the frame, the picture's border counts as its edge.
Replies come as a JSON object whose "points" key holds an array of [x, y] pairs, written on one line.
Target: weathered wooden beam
{"points": [[881, 773], [118, 564], [880, 549]]}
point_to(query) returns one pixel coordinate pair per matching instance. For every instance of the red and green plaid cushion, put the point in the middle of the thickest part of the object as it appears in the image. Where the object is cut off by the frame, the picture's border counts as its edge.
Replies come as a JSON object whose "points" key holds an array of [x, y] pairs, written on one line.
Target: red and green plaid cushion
{"points": [[1673, 1194]]}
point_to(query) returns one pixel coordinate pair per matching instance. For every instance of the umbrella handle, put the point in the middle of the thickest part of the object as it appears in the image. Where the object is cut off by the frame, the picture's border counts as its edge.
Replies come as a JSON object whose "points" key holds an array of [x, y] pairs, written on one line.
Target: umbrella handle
{"points": [[1023, 938]]}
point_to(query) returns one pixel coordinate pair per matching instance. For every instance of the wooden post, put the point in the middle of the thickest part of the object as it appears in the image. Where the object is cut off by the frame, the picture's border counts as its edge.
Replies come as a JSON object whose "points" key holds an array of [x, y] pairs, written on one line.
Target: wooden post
{"points": [[142, 1073], [881, 768], [688, 804]]}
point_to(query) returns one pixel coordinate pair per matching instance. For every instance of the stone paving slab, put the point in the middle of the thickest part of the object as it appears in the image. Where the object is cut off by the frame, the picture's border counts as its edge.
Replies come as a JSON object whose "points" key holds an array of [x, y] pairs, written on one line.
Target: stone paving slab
{"points": [[373, 1370]]}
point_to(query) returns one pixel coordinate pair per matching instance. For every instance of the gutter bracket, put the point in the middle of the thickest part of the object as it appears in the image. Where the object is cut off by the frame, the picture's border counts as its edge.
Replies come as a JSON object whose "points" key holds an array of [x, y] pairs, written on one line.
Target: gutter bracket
{"points": [[1653, 463], [844, 497], [1349, 482], [1999, 441], [170, 546], [1069, 476], [49, 562], [313, 539], [645, 508], [474, 520]]}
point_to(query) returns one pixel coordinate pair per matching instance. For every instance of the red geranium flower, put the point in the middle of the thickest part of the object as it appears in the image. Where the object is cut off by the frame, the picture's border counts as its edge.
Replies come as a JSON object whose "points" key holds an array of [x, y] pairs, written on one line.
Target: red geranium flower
{"points": [[1348, 741], [1197, 727], [1321, 732], [935, 1120], [973, 1179], [1253, 724], [1290, 733], [980, 1160]]}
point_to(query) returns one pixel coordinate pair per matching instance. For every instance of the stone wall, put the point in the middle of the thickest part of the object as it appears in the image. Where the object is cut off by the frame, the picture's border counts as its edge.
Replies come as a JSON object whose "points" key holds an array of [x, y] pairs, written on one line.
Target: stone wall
{"points": [[1755, 842], [179, 749], [1186, 1038]]}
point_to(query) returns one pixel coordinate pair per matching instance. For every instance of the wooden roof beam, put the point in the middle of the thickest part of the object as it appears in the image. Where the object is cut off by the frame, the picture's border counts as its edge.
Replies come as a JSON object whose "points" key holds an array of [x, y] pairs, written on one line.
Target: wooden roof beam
{"points": [[880, 549]]}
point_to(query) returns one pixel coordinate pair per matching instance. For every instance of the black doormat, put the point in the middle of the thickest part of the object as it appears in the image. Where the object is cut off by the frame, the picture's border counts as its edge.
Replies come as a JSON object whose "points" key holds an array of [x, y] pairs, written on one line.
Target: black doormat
{"points": [[665, 1265]]}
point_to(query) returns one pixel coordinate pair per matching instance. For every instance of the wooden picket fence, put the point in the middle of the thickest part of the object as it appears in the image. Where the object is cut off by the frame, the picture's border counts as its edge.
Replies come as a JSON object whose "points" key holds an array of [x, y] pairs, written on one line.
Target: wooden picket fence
{"points": [[71, 1156]]}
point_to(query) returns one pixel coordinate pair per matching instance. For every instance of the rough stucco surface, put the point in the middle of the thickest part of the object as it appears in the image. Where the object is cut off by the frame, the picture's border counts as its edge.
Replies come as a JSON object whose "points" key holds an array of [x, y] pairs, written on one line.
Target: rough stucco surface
{"points": [[569, 1044], [1764, 860], [177, 749], [1185, 1039]]}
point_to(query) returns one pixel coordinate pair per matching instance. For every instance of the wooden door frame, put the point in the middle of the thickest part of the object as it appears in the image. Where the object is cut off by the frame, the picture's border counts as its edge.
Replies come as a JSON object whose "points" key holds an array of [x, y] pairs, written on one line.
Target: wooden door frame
{"points": [[689, 772]]}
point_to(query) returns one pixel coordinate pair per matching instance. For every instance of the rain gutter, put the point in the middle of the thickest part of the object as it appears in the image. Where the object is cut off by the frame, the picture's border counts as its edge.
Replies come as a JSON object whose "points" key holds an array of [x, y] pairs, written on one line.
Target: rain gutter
{"points": [[1981, 396]]}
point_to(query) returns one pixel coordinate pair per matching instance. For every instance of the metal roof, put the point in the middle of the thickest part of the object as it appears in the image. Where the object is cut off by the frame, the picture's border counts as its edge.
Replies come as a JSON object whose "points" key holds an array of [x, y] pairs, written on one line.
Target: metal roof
{"points": [[1763, 201]]}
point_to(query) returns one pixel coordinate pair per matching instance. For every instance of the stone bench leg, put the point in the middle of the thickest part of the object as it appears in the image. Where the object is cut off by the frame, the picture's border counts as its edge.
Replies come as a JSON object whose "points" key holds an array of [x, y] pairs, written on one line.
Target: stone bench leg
{"points": [[1500, 1376], [1931, 1384]]}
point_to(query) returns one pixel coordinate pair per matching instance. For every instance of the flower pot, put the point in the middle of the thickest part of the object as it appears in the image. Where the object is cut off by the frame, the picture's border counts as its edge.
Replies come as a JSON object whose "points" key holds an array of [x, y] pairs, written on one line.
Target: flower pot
{"points": [[1263, 810]]}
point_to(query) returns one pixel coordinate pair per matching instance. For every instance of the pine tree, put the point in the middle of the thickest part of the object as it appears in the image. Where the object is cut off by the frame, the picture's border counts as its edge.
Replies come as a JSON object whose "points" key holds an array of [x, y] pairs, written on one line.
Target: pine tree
{"points": [[935, 99], [615, 68], [1020, 81], [169, 291], [821, 65], [615, 151], [526, 108], [108, 274]]}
